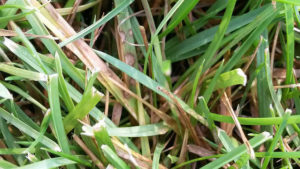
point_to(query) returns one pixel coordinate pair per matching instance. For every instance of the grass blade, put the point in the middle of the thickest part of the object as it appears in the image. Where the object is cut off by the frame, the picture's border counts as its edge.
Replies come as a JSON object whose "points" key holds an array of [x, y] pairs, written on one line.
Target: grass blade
{"points": [[97, 24], [56, 113], [237, 152]]}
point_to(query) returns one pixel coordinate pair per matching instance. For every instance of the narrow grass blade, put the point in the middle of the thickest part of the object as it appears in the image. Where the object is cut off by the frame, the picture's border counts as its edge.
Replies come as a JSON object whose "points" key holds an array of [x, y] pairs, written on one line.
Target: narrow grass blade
{"points": [[88, 101], [226, 140], [139, 131], [4, 93], [211, 86], [156, 156], [101, 136], [48, 163], [24, 94], [202, 106], [167, 17], [22, 73], [6, 164], [293, 2], [29, 46], [207, 36], [10, 140], [56, 113], [276, 137], [62, 85], [179, 15], [97, 24], [255, 121], [148, 82], [79, 160], [195, 85], [8, 12], [290, 44], [237, 152], [264, 99], [13, 151], [213, 47], [28, 130], [43, 128], [113, 158]]}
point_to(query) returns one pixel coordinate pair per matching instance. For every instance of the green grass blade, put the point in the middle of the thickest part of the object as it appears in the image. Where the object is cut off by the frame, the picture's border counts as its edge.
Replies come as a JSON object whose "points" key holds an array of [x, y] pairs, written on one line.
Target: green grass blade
{"points": [[175, 8], [255, 121], [62, 85], [139, 131], [6, 164], [102, 137], [158, 149], [148, 82], [8, 12], [237, 152], [48, 163], [211, 86], [56, 116], [97, 24], [22, 73], [214, 45], [293, 2], [79, 160], [4, 93], [195, 85], [264, 99], [24, 94], [290, 45], [179, 15], [28, 130], [231, 78], [13, 151], [113, 158], [87, 103], [276, 137], [207, 36], [44, 126], [30, 47], [10, 140]]}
